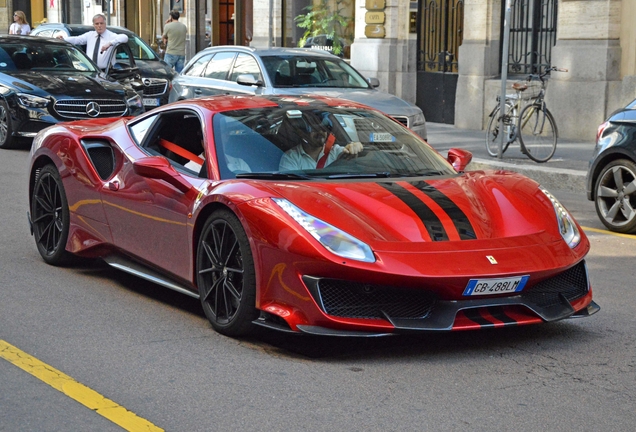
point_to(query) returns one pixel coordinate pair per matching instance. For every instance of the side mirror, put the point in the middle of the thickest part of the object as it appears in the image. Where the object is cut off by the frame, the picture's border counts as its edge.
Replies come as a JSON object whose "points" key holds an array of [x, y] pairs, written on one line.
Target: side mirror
{"points": [[459, 158], [248, 80], [157, 167], [373, 82]]}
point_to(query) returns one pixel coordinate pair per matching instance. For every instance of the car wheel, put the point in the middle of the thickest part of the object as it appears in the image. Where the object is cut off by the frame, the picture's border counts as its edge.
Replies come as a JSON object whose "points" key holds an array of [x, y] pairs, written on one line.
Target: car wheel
{"points": [[7, 140], [616, 196], [225, 275], [50, 216]]}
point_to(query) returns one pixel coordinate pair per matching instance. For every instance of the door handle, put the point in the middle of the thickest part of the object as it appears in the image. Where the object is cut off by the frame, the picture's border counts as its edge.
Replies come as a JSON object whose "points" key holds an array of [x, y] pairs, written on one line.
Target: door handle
{"points": [[197, 91]]}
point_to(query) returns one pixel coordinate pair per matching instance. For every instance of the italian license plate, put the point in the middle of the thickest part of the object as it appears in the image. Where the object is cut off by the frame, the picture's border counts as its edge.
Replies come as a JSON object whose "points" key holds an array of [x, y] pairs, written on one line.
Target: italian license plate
{"points": [[495, 286], [151, 102]]}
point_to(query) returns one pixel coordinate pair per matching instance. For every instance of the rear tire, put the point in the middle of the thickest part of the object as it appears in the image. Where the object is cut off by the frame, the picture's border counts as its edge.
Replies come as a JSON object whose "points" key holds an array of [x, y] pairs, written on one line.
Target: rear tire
{"points": [[492, 132], [226, 275], [50, 216], [537, 133], [7, 140], [615, 192]]}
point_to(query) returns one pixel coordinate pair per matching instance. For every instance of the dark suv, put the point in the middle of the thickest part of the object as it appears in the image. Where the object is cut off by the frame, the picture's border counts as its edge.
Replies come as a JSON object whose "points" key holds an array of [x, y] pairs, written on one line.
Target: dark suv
{"points": [[156, 74]]}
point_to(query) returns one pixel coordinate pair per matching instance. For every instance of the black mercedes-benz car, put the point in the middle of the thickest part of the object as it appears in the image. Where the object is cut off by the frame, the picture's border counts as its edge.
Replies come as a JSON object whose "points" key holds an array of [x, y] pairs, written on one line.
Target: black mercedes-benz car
{"points": [[156, 74], [47, 81]]}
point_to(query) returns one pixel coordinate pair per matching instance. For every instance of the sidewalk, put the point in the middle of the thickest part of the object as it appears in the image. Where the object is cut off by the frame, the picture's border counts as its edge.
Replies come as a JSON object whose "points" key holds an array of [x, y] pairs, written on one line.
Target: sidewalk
{"points": [[566, 170]]}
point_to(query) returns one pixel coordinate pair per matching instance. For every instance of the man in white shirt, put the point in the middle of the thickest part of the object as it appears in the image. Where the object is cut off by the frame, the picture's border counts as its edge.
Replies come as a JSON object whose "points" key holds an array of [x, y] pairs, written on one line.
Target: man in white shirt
{"points": [[310, 153], [99, 43]]}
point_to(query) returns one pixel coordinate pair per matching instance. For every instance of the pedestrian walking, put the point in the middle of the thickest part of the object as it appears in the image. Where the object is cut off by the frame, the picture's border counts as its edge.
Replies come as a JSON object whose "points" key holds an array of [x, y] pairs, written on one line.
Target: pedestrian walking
{"points": [[174, 36], [20, 25], [99, 42]]}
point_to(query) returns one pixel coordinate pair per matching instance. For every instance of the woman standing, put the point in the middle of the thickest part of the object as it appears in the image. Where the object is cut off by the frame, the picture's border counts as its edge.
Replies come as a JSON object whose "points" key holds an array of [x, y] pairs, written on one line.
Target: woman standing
{"points": [[20, 25]]}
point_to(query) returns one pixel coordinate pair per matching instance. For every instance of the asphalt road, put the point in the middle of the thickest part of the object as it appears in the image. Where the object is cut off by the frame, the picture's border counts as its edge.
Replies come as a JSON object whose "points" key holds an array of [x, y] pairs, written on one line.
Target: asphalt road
{"points": [[152, 351]]}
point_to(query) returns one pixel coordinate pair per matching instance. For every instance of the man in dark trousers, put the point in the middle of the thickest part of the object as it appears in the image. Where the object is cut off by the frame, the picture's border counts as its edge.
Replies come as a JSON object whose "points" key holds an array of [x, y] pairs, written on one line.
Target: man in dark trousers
{"points": [[99, 42], [174, 36]]}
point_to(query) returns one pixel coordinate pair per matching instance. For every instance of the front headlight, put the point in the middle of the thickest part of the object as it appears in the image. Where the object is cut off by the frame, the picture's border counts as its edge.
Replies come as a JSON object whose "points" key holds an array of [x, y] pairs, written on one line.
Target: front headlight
{"points": [[567, 227], [32, 101], [332, 238], [135, 101], [418, 119]]}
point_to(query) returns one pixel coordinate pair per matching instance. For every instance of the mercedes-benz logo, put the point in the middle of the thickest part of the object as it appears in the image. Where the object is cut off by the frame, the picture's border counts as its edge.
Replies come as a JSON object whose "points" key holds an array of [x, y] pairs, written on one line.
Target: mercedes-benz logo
{"points": [[93, 109]]}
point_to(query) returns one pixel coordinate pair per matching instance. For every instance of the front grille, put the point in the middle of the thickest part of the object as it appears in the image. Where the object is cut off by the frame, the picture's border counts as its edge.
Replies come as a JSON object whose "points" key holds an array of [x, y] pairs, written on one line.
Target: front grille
{"points": [[357, 300], [572, 284], [403, 120], [155, 86], [77, 108]]}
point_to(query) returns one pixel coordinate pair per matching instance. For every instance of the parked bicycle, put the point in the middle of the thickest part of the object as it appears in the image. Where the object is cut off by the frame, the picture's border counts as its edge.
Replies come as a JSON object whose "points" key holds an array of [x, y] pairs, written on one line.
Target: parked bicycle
{"points": [[527, 119]]}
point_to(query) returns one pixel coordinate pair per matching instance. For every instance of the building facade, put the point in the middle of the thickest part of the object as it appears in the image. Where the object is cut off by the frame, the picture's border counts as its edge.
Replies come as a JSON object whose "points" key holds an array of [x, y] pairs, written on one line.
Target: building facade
{"points": [[444, 55]]}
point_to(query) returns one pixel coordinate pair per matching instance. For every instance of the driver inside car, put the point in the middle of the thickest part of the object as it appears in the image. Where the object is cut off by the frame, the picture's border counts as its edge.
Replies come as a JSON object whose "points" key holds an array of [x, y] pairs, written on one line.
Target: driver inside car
{"points": [[316, 150]]}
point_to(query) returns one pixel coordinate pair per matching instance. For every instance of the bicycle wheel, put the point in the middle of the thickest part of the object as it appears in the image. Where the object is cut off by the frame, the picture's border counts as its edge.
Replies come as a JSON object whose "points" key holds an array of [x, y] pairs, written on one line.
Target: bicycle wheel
{"points": [[537, 133], [492, 132]]}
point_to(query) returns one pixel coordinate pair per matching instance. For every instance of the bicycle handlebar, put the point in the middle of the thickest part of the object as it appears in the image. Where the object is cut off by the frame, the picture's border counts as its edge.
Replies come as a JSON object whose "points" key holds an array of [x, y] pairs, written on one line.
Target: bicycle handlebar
{"points": [[541, 75]]}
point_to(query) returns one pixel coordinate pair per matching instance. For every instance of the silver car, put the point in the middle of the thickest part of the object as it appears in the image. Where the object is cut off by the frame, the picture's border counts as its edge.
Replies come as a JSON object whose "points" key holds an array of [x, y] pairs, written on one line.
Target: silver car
{"points": [[287, 71]]}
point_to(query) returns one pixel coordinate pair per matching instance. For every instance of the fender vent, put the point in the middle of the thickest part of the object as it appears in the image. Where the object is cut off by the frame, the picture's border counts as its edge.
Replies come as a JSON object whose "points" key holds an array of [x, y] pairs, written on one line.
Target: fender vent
{"points": [[102, 157]]}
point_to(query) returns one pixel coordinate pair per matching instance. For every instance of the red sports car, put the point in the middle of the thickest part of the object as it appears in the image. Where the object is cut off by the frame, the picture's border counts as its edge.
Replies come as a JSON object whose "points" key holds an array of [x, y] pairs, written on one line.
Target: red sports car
{"points": [[310, 215]]}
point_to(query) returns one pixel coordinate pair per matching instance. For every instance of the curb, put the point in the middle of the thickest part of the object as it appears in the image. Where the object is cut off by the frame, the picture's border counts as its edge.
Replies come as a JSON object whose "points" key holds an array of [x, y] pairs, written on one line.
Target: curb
{"points": [[550, 178]]}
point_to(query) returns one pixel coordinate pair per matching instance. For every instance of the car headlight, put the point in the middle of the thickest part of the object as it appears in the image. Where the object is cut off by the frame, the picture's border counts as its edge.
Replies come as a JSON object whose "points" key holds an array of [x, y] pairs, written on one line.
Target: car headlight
{"points": [[32, 101], [418, 119], [135, 101], [332, 238], [567, 227]]}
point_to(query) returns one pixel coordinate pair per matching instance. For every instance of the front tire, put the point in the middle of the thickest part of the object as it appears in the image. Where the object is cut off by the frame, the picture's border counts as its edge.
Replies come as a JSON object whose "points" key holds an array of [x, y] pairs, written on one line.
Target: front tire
{"points": [[226, 276], [616, 196], [7, 140], [537, 133], [50, 216]]}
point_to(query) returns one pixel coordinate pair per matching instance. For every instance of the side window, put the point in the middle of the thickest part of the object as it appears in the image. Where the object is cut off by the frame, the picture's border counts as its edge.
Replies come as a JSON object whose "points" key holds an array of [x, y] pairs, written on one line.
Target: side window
{"points": [[177, 135], [245, 64], [219, 67], [199, 66]]}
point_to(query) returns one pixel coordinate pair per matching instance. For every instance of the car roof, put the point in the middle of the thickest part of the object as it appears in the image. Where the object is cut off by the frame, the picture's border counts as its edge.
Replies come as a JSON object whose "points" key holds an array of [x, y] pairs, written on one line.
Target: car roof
{"points": [[78, 29], [220, 103], [278, 51], [31, 40]]}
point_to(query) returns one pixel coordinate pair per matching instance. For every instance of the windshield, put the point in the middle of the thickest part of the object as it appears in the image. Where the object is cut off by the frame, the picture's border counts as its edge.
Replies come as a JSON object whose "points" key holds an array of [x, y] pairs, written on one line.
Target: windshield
{"points": [[310, 71], [38, 56], [141, 50], [290, 143]]}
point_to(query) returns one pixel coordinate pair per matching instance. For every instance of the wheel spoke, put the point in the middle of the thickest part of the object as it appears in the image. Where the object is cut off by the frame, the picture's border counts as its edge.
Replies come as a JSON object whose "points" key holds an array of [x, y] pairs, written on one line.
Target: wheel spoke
{"points": [[630, 188], [613, 211], [627, 209], [229, 287], [618, 177], [607, 192]]}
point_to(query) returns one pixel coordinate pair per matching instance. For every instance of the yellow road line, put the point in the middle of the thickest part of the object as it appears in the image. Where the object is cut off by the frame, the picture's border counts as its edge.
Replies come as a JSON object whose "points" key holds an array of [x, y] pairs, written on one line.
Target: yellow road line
{"points": [[601, 231], [75, 390]]}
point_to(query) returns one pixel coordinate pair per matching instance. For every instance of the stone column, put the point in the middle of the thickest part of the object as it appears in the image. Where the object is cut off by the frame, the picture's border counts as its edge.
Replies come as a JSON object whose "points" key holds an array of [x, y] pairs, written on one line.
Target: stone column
{"points": [[390, 59], [588, 46], [478, 61]]}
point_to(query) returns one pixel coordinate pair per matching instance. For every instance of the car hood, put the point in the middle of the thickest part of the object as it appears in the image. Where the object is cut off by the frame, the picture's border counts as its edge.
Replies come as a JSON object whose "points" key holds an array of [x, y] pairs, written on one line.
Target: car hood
{"points": [[472, 210], [155, 69], [65, 84], [385, 102]]}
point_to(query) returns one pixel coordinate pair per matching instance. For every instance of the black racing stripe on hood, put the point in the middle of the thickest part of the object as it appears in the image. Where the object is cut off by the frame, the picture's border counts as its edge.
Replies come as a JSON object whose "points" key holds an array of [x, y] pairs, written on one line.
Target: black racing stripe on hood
{"points": [[461, 222], [427, 216]]}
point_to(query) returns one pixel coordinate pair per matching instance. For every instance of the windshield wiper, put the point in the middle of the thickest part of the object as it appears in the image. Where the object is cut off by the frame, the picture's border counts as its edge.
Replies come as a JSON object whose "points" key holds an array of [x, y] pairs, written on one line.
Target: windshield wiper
{"points": [[273, 176], [359, 175]]}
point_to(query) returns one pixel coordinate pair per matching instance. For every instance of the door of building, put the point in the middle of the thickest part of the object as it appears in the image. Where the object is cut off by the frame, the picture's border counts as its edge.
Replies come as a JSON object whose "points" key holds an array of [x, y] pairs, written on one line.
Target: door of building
{"points": [[440, 29]]}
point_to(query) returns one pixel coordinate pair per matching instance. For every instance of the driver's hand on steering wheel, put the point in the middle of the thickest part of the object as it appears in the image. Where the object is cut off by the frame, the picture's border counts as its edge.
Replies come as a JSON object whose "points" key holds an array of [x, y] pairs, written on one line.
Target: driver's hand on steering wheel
{"points": [[353, 148]]}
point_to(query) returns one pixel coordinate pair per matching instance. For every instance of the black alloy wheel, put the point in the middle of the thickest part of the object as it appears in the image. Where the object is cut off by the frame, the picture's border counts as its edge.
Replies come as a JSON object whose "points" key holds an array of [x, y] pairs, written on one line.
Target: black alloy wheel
{"points": [[7, 141], [225, 275], [50, 216], [616, 196]]}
